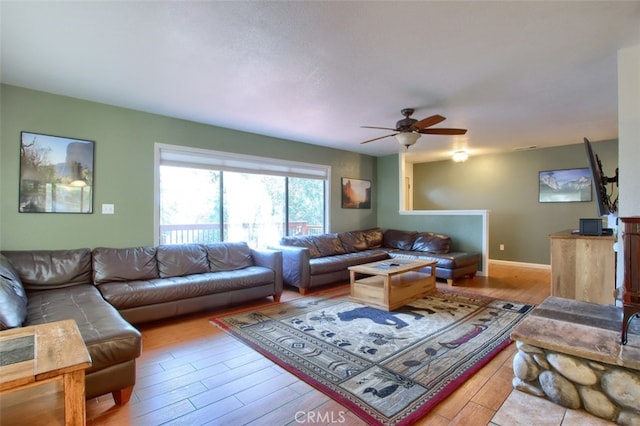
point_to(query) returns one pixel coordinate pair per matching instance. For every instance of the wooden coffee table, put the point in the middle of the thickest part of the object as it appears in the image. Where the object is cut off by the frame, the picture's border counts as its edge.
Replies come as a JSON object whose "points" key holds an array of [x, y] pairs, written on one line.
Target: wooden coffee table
{"points": [[42, 374], [393, 283]]}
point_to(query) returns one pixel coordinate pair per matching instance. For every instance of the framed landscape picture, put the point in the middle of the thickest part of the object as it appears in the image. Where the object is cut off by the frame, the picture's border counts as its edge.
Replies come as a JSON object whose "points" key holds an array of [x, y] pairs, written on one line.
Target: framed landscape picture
{"points": [[356, 193], [56, 174], [564, 186]]}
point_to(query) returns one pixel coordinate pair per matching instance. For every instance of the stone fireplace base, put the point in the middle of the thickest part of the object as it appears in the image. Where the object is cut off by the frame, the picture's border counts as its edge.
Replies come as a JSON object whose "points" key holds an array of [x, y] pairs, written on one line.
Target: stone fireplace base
{"points": [[570, 353]]}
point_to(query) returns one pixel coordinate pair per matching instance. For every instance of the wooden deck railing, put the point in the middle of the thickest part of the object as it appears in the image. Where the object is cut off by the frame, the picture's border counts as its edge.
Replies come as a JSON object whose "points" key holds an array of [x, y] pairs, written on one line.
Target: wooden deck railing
{"points": [[209, 233]]}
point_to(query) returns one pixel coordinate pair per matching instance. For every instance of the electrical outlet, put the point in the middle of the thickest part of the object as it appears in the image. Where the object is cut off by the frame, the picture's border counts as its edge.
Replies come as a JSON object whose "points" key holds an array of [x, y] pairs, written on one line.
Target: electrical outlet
{"points": [[108, 209], [502, 247]]}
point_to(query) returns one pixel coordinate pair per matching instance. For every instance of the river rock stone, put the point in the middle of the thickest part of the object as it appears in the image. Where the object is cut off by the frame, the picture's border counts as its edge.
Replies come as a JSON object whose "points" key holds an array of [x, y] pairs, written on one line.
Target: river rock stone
{"points": [[526, 387], [524, 367], [542, 361], [628, 418], [559, 390], [597, 403], [573, 369], [530, 349], [622, 386]]}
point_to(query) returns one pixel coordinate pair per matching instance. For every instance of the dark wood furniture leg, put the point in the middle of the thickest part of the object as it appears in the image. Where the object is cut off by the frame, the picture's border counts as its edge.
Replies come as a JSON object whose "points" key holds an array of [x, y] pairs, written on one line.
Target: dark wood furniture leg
{"points": [[629, 313], [122, 396]]}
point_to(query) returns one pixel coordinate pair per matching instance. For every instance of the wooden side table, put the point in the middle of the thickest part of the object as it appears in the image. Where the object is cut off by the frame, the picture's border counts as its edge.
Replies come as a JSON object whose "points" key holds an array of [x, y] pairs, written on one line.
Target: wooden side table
{"points": [[33, 357]]}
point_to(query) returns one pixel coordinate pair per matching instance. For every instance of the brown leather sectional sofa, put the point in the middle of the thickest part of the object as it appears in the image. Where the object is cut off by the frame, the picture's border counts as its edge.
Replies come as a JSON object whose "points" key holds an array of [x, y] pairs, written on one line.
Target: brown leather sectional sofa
{"points": [[313, 261], [106, 289]]}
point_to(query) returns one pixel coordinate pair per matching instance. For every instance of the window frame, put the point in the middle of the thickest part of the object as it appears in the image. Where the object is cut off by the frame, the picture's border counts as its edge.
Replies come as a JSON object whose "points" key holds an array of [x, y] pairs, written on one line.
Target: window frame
{"points": [[184, 156]]}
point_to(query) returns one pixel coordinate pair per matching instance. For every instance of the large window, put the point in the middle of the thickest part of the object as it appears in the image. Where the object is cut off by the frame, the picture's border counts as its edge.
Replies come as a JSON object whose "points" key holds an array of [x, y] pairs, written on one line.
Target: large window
{"points": [[207, 196]]}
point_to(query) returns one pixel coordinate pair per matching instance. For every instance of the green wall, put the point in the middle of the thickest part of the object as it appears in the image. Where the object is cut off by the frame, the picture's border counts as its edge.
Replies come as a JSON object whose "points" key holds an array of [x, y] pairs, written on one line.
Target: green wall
{"points": [[507, 185], [504, 184], [124, 162], [465, 230]]}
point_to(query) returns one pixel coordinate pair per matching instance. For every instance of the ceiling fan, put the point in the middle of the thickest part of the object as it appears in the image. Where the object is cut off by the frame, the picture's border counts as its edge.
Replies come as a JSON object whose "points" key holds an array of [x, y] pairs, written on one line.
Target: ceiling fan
{"points": [[408, 130]]}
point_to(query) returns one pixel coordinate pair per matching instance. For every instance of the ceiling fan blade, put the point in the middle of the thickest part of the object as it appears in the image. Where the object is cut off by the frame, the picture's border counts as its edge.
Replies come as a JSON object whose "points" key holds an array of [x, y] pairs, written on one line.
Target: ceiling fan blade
{"points": [[443, 131], [375, 127], [429, 121], [381, 137]]}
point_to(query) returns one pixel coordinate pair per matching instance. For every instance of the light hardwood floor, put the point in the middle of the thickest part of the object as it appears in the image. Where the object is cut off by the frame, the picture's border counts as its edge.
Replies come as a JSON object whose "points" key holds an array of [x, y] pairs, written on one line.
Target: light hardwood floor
{"points": [[192, 373]]}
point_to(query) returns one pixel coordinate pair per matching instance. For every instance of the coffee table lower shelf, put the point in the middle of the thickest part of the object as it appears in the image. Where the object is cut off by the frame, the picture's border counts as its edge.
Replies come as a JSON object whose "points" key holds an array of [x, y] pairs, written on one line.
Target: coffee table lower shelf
{"points": [[390, 291]]}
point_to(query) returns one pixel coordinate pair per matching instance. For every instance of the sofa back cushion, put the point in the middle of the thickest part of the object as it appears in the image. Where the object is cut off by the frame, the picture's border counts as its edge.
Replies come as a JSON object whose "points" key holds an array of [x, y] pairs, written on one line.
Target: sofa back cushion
{"points": [[181, 259], [329, 244], [306, 242], [124, 264], [353, 241], [13, 298], [432, 243], [228, 256], [374, 237], [46, 269], [402, 240]]}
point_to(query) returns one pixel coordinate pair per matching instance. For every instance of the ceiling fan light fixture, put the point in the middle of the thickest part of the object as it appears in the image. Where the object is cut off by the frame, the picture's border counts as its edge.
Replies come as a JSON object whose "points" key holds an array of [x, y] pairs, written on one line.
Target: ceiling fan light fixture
{"points": [[407, 139], [460, 156]]}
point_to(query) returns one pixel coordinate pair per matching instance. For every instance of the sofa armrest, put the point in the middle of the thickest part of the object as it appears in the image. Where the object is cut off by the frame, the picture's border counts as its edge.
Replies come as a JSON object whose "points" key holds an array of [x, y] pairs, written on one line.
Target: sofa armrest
{"points": [[295, 265], [271, 259]]}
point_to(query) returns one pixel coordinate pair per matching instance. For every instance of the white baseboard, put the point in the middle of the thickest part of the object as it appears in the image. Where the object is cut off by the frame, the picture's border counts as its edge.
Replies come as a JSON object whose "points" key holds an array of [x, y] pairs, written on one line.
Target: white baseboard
{"points": [[520, 264]]}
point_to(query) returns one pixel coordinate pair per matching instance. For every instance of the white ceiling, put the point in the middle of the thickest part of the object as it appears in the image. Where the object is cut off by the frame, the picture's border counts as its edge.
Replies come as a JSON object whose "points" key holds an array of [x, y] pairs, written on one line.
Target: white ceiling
{"points": [[515, 73]]}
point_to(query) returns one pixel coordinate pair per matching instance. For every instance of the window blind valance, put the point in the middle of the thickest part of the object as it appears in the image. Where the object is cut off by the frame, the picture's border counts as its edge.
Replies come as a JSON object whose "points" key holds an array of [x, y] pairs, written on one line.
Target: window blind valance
{"points": [[175, 155]]}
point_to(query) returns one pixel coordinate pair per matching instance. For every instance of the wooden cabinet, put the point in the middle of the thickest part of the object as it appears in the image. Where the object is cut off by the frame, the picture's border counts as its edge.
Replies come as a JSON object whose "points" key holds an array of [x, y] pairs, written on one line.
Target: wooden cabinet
{"points": [[630, 236], [583, 267]]}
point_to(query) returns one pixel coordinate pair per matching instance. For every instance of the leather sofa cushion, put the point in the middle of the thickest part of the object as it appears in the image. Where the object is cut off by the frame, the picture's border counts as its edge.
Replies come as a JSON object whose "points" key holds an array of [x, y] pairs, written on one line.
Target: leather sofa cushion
{"points": [[401, 240], [451, 260], [228, 256], [110, 339], [306, 242], [127, 295], [13, 298], [181, 259], [432, 243], [124, 264], [353, 241], [329, 264], [47, 269], [329, 244], [374, 237]]}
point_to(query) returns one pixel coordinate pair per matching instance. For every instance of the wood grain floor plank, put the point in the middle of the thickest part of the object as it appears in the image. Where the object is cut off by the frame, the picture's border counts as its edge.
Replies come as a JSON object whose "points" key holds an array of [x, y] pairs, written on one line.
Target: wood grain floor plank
{"points": [[257, 409], [147, 406], [473, 415]]}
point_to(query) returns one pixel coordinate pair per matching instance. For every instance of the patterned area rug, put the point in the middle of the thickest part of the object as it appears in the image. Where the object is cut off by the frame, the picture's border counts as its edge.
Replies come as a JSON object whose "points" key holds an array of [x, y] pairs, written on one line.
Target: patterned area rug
{"points": [[389, 368]]}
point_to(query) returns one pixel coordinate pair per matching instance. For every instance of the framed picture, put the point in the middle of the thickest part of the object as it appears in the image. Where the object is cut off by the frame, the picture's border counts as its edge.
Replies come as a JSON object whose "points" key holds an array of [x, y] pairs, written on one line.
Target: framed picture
{"points": [[356, 193], [564, 186], [56, 174]]}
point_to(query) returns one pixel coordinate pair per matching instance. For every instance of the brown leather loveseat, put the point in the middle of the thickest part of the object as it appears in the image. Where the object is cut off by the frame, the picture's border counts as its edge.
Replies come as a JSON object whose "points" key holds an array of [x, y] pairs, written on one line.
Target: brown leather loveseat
{"points": [[106, 289]]}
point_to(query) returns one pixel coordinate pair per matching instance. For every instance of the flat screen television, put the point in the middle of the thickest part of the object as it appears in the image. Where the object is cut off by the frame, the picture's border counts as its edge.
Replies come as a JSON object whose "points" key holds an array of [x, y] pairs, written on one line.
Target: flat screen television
{"points": [[603, 200]]}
